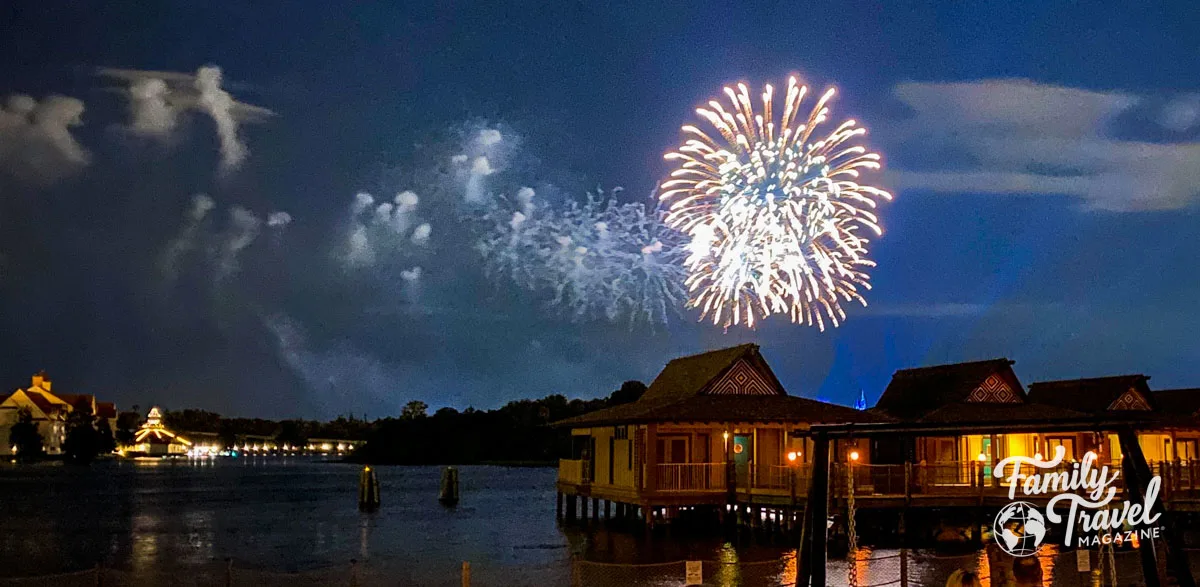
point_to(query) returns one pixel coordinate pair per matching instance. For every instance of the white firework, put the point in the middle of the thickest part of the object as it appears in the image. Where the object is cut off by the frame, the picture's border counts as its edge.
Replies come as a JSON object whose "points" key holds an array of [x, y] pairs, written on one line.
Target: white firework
{"points": [[593, 259], [774, 215]]}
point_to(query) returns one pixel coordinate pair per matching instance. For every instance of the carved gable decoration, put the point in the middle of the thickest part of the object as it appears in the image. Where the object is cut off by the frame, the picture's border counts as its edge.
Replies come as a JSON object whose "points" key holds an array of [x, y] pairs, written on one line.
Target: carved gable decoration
{"points": [[994, 390], [1130, 400], [742, 379]]}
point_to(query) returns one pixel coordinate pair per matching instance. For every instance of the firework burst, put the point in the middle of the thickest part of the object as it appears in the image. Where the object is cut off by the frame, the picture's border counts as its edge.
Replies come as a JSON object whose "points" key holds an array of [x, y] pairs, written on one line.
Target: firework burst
{"points": [[774, 214], [592, 259]]}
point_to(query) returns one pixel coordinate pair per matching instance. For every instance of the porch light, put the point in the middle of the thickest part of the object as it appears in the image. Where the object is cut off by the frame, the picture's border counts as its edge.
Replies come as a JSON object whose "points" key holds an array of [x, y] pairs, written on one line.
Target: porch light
{"points": [[1038, 456], [792, 456], [982, 457], [725, 435], [854, 455]]}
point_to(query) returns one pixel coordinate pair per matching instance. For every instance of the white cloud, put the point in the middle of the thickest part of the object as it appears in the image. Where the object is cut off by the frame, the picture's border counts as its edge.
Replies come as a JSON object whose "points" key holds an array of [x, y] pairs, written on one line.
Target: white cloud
{"points": [[1021, 137], [157, 99], [36, 144]]}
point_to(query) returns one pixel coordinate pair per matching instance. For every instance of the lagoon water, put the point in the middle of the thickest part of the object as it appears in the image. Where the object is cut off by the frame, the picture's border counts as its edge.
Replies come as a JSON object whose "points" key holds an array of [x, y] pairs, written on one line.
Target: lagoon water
{"points": [[281, 515]]}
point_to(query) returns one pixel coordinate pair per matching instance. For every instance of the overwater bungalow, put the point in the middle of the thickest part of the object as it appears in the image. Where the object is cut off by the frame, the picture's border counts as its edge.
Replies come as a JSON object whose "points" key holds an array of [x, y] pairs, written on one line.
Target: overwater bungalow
{"points": [[711, 428], [718, 429]]}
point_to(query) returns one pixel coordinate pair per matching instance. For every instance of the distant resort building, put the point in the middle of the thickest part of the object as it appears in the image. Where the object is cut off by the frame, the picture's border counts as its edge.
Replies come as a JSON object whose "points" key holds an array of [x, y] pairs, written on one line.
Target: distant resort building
{"points": [[718, 429], [154, 440], [49, 410]]}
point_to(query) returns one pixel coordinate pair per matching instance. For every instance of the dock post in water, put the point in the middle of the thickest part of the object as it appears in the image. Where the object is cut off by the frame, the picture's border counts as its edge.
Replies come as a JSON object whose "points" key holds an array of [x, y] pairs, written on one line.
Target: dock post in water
{"points": [[449, 492], [368, 490]]}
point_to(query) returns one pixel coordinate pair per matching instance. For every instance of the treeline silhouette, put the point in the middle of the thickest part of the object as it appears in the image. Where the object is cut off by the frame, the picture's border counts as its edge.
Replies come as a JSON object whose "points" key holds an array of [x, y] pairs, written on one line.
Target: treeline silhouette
{"points": [[518, 433]]}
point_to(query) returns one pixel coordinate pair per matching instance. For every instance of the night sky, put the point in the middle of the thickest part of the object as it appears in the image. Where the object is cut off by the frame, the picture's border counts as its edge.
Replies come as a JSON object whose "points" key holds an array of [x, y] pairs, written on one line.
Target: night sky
{"points": [[1045, 157]]}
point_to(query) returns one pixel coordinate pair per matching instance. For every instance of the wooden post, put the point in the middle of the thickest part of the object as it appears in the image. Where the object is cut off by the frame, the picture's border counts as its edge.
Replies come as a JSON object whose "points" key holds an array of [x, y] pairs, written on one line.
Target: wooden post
{"points": [[652, 457], [571, 504], [816, 513], [1137, 478], [607, 510], [595, 509]]}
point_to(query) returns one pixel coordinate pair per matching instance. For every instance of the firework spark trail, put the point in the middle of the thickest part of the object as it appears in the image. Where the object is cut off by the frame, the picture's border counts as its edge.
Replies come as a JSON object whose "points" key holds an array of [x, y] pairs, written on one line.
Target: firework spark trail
{"points": [[592, 259], [773, 215]]}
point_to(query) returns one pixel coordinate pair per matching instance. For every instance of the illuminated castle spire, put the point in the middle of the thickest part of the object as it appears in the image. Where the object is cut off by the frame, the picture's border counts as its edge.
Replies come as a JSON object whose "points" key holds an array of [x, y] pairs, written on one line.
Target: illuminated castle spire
{"points": [[861, 404]]}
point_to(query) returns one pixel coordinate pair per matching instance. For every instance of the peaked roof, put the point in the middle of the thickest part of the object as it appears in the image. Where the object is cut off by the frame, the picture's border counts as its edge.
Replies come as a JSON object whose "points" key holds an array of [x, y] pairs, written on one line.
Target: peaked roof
{"points": [[678, 394], [1092, 395], [1178, 401], [106, 410], [689, 376], [916, 392]]}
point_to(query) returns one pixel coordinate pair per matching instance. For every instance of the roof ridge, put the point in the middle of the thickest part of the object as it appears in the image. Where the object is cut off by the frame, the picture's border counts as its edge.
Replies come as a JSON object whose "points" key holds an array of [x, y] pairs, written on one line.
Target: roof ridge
{"points": [[746, 346], [1089, 379], [1004, 360]]}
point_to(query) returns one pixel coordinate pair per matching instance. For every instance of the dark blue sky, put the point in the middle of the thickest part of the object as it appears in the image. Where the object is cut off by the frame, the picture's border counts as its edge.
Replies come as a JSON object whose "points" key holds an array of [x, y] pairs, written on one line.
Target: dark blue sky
{"points": [[1044, 157]]}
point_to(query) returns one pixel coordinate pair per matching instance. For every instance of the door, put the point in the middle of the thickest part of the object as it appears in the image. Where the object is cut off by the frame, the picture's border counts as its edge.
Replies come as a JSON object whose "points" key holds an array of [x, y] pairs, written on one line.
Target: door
{"points": [[1067, 442], [1185, 449], [743, 451]]}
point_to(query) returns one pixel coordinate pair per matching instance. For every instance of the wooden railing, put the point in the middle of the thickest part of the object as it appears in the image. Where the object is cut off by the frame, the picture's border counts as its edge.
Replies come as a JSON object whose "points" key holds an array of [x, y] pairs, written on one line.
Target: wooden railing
{"points": [[574, 471], [691, 477]]}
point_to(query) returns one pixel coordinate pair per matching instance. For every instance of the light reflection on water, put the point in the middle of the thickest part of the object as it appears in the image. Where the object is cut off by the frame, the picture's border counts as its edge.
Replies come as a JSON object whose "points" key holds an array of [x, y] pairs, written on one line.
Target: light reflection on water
{"points": [[300, 515]]}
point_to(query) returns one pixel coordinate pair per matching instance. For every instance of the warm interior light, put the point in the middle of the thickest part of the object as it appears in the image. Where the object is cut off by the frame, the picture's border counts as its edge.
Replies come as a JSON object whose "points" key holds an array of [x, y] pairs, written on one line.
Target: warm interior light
{"points": [[1038, 456], [725, 435], [982, 457], [854, 455], [792, 456], [367, 469]]}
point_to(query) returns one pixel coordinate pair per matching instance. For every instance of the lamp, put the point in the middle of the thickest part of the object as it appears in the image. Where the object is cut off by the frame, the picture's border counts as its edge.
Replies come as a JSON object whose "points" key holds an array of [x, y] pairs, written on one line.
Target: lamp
{"points": [[792, 456], [854, 455], [982, 457]]}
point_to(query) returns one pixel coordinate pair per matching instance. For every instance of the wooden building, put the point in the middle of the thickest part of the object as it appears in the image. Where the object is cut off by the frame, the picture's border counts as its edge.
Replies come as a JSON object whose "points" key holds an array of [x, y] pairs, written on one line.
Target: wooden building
{"points": [[718, 429], [711, 429]]}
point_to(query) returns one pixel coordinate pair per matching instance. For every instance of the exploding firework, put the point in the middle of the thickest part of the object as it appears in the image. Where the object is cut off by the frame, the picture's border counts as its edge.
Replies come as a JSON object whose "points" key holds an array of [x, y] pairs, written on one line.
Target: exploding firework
{"points": [[592, 259], [774, 215]]}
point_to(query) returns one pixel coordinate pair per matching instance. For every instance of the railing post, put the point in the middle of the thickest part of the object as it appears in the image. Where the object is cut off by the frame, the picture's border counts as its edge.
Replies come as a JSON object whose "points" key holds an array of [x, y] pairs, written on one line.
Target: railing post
{"points": [[466, 574]]}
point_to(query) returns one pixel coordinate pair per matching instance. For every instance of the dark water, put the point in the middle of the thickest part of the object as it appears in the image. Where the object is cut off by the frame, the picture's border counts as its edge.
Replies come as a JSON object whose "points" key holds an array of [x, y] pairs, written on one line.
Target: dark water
{"points": [[287, 515]]}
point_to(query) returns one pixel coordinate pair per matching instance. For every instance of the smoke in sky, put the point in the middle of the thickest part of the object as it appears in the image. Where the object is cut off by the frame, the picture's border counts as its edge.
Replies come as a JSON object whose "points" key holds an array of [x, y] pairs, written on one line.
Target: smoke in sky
{"points": [[383, 228], [36, 144], [595, 259], [157, 100]]}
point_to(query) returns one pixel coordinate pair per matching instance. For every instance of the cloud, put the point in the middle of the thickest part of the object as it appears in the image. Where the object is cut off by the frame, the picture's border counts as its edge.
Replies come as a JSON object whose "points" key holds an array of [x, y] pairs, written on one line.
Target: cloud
{"points": [[157, 99], [1022, 137], [36, 144]]}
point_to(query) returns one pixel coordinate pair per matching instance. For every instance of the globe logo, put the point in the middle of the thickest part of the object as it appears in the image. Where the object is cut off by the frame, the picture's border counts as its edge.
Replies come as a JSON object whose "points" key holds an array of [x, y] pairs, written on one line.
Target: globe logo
{"points": [[1019, 529]]}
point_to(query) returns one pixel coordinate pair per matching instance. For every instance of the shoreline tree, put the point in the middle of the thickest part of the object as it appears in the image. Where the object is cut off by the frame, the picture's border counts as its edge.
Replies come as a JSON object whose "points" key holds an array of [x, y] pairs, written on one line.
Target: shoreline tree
{"points": [[25, 437], [82, 442]]}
